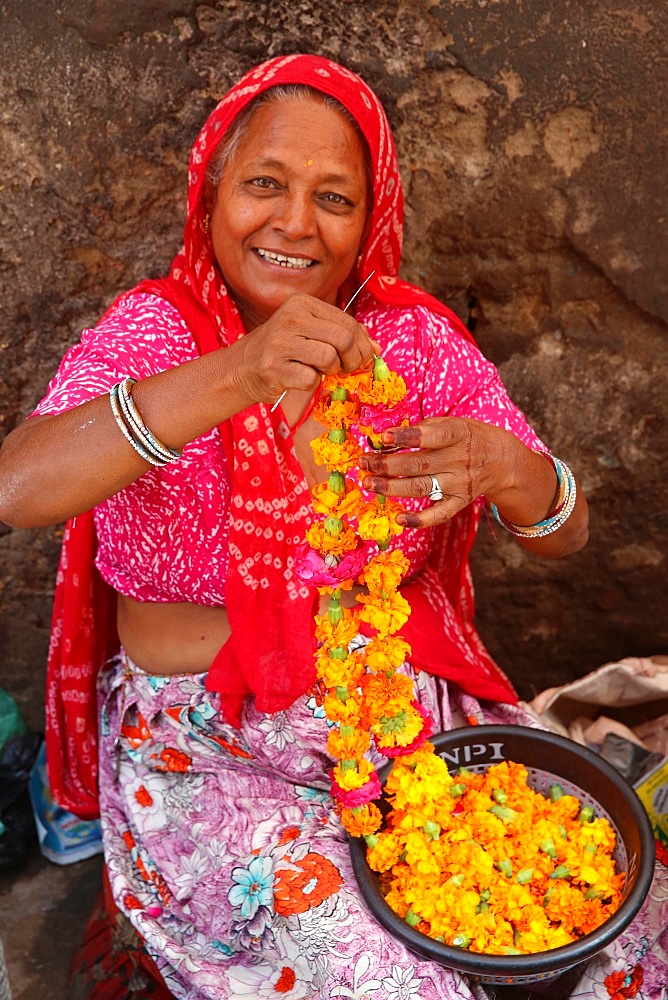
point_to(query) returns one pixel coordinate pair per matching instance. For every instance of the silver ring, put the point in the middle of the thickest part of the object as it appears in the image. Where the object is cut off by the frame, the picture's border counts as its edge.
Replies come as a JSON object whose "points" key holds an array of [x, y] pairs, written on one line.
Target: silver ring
{"points": [[436, 493]]}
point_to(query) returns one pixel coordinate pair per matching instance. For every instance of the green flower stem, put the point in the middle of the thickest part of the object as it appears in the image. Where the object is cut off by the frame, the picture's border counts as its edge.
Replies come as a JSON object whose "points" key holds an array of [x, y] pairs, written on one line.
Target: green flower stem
{"points": [[547, 847], [432, 829], [337, 435], [381, 372], [337, 482], [334, 610], [334, 526], [503, 812], [457, 790], [340, 393]]}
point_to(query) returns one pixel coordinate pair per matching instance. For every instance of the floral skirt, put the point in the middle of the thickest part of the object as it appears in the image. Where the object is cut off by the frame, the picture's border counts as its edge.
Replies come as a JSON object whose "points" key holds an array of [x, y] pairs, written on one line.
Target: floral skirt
{"points": [[224, 851]]}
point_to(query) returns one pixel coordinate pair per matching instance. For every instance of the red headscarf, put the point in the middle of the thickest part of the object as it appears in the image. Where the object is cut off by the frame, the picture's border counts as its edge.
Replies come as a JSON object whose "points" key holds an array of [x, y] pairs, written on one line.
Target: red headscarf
{"points": [[270, 650]]}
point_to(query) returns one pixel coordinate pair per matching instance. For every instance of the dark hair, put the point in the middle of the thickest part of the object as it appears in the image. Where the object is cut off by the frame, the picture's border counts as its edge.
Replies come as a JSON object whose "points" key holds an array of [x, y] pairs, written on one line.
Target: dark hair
{"points": [[238, 130]]}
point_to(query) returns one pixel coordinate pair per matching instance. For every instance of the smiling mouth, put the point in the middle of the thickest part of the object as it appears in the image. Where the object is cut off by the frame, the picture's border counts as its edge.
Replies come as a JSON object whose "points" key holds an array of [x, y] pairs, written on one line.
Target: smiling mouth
{"points": [[296, 263]]}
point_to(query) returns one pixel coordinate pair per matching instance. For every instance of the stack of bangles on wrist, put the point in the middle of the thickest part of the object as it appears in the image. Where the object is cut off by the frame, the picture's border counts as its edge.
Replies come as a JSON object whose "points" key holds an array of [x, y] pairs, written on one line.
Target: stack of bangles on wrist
{"points": [[134, 429], [567, 494]]}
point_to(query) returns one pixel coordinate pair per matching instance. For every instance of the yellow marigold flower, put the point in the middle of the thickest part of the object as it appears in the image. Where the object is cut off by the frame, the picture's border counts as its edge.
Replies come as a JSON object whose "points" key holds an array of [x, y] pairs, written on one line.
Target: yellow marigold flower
{"points": [[341, 633], [378, 521], [386, 852], [340, 673], [352, 778], [348, 747], [385, 571], [326, 501], [386, 653], [321, 540], [362, 821], [337, 413], [398, 730], [390, 392], [337, 457], [386, 616]]}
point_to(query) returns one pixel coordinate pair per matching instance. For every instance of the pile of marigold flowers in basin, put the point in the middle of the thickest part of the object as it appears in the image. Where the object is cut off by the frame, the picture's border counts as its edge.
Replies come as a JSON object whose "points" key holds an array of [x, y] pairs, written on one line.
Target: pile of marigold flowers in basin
{"points": [[480, 862], [484, 862]]}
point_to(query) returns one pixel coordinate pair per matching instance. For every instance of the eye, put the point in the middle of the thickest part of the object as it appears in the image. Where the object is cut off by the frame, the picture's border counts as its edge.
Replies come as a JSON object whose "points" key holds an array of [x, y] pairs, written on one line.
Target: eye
{"points": [[336, 200], [264, 183]]}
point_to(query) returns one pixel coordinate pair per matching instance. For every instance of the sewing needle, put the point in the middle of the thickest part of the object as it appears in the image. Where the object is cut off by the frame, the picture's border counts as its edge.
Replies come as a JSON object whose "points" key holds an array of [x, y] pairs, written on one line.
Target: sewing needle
{"points": [[350, 302]]}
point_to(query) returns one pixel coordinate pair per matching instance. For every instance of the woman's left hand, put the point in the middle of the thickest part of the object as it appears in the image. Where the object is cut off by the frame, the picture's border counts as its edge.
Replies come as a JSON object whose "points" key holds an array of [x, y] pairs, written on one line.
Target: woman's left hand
{"points": [[465, 459], [459, 455]]}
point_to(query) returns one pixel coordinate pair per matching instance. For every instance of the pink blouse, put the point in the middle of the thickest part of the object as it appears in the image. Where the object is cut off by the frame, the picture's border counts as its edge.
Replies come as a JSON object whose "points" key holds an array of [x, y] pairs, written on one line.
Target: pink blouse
{"points": [[164, 537]]}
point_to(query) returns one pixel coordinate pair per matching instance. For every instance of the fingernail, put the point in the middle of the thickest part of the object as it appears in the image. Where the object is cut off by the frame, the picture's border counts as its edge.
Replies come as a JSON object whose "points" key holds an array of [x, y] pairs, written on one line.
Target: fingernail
{"points": [[364, 463], [389, 437]]}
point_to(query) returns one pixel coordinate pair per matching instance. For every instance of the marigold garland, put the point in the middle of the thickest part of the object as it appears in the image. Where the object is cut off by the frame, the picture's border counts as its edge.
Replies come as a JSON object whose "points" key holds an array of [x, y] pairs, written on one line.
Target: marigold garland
{"points": [[481, 861]]}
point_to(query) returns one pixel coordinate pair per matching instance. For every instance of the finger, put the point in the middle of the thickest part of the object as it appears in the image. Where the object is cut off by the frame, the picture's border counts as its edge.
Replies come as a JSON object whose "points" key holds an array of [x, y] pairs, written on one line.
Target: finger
{"points": [[437, 513], [434, 432], [410, 486], [348, 337], [403, 463]]}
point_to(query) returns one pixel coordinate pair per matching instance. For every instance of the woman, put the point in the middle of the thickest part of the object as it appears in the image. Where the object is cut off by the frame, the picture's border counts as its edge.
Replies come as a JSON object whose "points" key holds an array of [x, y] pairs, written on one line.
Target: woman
{"points": [[221, 843]]}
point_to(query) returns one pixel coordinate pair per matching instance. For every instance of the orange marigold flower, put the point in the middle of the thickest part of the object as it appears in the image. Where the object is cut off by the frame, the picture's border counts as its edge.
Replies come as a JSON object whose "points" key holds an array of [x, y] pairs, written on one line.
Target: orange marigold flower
{"points": [[348, 747], [361, 821], [340, 633], [385, 695], [390, 392], [337, 413], [386, 616], [385, 571], [351, 382], [337, 457], [321, 540], [377, 521], [386, 653], [346, 713]]}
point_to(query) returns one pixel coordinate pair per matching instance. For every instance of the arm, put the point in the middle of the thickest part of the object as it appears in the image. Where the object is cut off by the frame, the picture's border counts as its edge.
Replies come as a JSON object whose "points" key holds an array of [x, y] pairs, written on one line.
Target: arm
{"points": [[54, 467]]}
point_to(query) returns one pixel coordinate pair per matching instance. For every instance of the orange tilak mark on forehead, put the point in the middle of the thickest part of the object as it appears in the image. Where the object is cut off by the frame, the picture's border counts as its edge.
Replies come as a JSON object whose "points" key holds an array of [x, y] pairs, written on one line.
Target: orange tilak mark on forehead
{"points": [[309, 163]]}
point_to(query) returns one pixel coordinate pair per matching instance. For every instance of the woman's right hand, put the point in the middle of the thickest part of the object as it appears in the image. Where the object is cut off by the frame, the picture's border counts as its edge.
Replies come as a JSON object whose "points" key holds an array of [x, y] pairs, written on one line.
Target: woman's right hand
{"points": [[303, 340]]}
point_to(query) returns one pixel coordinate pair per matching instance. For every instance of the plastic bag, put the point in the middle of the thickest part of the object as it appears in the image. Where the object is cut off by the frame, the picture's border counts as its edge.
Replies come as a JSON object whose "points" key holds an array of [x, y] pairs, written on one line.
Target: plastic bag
{"points": [[17, 826], [63, 837]]}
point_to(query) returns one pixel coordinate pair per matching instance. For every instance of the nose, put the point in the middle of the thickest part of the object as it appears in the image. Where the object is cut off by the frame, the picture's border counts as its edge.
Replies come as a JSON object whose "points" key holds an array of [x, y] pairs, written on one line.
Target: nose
{"points": [[295, 216]]}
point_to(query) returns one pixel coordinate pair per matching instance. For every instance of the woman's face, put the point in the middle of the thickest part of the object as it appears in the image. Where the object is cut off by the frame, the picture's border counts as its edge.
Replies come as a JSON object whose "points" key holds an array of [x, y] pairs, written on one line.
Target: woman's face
{"points": [[290, 212]]}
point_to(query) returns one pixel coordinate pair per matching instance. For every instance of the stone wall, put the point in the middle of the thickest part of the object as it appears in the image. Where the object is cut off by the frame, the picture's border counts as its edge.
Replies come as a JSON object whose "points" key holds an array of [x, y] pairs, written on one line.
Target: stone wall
{"points": [[532, 138]]}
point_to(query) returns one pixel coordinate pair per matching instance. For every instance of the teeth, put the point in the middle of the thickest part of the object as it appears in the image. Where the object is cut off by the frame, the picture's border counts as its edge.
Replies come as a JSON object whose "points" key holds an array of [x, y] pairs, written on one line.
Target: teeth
{"points": [[278, 258]]}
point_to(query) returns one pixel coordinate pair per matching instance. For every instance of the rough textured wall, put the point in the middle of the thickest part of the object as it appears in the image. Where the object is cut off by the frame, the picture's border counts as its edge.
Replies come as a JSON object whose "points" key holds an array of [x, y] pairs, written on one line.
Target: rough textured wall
{"points": [[532, 137]]}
